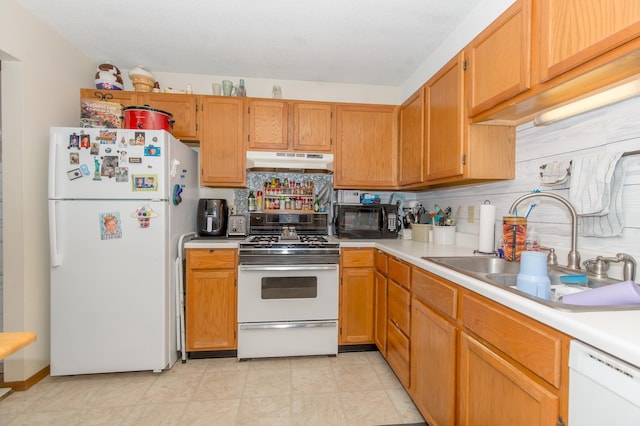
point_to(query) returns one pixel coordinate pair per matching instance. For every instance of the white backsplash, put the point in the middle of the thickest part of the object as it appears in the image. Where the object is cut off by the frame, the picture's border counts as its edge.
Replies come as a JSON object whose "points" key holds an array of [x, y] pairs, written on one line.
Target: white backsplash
{"points": [[614, 128]]}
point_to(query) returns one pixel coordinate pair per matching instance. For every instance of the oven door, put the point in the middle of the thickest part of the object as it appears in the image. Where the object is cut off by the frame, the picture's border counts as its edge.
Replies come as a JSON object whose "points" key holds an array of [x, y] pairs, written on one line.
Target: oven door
{"points": [[268, 293]]}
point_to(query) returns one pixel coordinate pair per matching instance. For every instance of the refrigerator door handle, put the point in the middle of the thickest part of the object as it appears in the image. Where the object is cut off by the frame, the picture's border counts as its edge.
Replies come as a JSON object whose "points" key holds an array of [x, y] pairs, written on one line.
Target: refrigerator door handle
{"points": [[53, 235], [53, 150]]}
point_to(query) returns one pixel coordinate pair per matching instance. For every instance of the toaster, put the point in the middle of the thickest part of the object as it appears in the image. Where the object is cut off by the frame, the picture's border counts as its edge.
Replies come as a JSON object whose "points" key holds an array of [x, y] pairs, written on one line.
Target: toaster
{"points": [[237, 225]]}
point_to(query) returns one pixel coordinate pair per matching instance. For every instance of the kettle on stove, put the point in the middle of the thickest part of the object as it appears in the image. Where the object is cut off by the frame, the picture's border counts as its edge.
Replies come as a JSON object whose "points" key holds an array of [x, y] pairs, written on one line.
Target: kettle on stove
{"points": [[212, 217]]}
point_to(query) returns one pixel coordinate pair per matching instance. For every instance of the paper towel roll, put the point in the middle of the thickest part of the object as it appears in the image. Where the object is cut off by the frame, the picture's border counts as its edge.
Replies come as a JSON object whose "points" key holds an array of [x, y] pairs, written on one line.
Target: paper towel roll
{"points": [[486, 236]]}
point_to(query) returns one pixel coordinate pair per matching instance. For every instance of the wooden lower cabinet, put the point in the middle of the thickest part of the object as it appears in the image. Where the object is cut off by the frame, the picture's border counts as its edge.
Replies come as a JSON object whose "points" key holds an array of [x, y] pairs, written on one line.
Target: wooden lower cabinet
{"points": [[211, 299], [398, 353], [399, 319], [356, 296], [464, 359], [380, 314], [433, 364], [495, 392], [512, 369]]}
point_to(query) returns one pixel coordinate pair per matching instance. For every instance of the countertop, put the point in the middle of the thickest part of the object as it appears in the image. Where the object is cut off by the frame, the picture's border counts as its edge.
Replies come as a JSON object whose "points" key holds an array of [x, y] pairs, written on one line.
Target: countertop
{"points": [[614, 332]]}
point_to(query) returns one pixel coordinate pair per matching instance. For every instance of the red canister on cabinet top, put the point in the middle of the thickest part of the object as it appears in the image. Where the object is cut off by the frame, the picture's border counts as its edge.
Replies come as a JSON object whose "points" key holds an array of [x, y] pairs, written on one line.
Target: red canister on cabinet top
{"points": [[147, 118]]}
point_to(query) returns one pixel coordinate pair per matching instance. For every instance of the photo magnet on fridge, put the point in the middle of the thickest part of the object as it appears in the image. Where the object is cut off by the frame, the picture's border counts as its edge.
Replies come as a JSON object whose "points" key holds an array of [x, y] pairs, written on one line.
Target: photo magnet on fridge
{"points": [[152, 151], [74, 174], [74, 158], [139, 139], [85, 141], [144, 214], [110, 226], [74, 141], [145, 182]]}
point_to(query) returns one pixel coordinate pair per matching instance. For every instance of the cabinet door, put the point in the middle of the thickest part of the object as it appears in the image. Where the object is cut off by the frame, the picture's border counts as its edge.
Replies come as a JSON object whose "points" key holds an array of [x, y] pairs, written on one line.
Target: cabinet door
{"points": [[433, 365], [495, 392], [499, 59], [222, 158], [366, 146], [411, 144], [398, 353], [573, 32], [380, 320], [444, 119], [210, 310], [181, 107], [399, 306], [312, 130], [123, 97], [267, 124], [356, 305]]}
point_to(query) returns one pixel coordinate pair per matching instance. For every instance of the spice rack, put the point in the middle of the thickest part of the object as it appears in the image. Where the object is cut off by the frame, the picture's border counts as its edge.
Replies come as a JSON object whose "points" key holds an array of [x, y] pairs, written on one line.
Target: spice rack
{"points": [[287, 197]]}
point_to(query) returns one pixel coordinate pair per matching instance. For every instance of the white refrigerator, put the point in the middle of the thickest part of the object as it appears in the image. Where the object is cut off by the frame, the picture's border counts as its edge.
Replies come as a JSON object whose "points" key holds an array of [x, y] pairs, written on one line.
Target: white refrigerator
{"points": [[119, 200]]}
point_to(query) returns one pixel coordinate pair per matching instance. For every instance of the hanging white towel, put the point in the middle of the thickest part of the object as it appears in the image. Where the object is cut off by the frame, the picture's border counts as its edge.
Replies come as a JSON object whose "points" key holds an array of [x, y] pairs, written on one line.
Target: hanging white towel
{"points": [[596, 193], [556, 174]]}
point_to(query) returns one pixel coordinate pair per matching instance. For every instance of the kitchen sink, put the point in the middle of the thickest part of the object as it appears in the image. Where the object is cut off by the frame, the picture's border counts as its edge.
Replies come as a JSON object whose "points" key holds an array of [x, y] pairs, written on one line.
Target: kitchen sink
{"points": [[503, 274]]}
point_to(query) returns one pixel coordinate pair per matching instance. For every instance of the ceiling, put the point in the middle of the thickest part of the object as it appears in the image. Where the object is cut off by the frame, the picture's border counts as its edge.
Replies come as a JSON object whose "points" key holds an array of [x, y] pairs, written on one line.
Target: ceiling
{"points": [[378, 42]]}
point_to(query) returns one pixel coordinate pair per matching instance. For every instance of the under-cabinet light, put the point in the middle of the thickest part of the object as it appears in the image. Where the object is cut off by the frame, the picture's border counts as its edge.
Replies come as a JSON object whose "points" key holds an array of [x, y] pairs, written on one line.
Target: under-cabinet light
{"points": [[608, 97]]}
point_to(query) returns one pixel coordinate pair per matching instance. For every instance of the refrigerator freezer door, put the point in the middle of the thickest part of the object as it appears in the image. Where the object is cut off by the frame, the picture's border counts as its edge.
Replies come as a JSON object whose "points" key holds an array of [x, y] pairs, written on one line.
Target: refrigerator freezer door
{"points": [[87, 163], [112, 289]]}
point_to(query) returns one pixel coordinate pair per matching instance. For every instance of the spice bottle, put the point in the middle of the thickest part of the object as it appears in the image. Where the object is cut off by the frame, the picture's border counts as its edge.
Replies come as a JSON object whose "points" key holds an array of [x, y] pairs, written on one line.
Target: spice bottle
{"points": [[259, 201], [252, 202]]}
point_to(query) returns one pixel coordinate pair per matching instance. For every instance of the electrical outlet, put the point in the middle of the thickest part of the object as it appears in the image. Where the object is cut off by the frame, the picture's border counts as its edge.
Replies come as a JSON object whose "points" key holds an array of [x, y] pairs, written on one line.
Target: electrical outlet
{"points": [[471, 214]]}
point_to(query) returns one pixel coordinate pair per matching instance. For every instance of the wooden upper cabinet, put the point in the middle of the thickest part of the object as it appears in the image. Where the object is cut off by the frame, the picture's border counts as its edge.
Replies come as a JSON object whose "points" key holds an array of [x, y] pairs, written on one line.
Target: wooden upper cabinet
{"points": [[123, 97], [499, 59], [573, 32], [182, 108], [366, 146], [444, 120], [411, 152], [267, 124], [222, 154], [459, 152], [312, 129]]}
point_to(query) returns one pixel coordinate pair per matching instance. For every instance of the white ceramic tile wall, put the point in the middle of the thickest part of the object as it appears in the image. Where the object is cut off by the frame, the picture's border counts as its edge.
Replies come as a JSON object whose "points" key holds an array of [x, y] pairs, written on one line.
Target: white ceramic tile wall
{"points": [[614, 128]]}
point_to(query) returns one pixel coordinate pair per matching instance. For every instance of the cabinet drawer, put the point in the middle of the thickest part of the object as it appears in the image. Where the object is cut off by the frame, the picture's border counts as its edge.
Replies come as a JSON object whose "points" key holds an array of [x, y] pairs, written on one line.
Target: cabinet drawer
{"points": [[534, 345], [357, 257], [399, 307], [211, 258], [435, 292], [381, 259], [400, 272], [398, 353]]}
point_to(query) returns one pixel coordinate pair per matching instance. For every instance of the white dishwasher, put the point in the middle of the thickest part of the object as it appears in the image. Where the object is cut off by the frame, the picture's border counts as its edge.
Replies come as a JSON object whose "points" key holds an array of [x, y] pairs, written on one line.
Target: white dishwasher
{"points": [[603, 390]]}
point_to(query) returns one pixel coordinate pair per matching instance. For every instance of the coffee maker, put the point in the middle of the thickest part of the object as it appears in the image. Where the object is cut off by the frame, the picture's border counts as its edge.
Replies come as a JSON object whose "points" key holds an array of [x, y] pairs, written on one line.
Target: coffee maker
{"points": [[212, 217]]}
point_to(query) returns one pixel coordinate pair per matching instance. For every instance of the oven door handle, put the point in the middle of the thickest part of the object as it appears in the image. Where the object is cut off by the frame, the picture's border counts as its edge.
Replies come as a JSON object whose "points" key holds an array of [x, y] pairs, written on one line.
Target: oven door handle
{"points": [[288, 267], [283, 325]]}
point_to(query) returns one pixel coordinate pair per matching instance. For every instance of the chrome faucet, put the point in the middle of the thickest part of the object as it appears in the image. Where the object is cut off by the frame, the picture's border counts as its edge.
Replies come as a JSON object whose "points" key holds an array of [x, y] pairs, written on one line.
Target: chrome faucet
{"points": [[600, 266], [573, 260]]}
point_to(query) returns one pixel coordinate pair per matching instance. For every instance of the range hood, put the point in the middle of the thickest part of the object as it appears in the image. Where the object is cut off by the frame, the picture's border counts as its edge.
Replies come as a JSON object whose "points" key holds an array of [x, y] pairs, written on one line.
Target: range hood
{"points": [[293, 162]]}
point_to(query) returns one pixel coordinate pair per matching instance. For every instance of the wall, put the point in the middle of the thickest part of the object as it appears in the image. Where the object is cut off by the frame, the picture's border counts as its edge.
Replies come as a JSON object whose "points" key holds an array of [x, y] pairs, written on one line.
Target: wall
{"points": [[291, 89], [41, 76], [614, 128], [478, 19]]}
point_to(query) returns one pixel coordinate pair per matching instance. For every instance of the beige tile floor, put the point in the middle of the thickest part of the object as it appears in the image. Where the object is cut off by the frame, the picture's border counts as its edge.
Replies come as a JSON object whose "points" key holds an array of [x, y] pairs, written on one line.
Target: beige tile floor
{"points": [[356, 388]]}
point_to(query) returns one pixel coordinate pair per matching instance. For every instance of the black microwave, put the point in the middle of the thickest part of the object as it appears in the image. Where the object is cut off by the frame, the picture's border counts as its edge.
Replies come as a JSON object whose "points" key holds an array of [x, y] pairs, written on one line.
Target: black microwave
{"points": [[366, 221]]}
